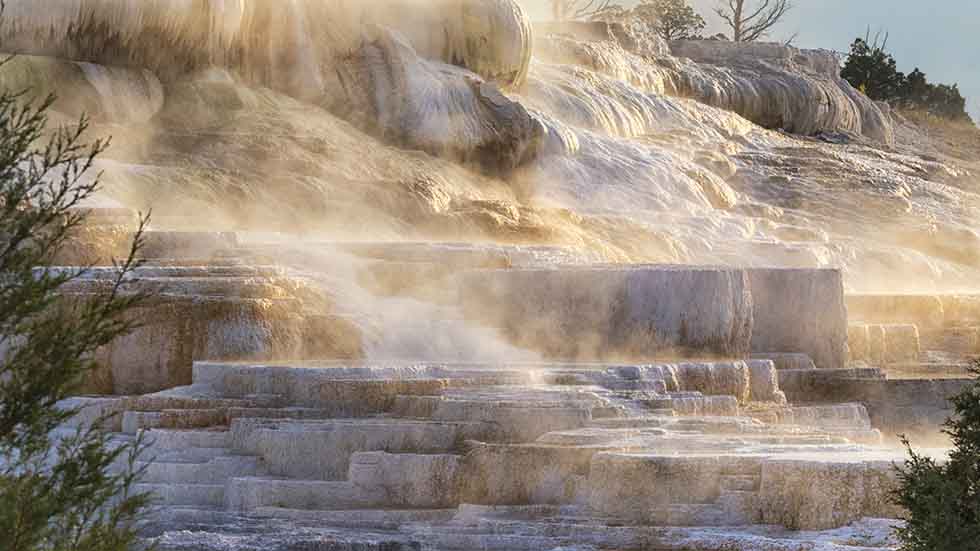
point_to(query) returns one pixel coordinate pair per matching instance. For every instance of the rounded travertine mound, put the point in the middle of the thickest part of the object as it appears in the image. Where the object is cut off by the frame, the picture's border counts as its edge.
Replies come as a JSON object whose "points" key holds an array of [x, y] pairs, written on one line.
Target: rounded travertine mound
{"points": [[387, 65], [778, 86], [772, 85], [406, 99], [492, 38], [111, 94], [280, 44]]}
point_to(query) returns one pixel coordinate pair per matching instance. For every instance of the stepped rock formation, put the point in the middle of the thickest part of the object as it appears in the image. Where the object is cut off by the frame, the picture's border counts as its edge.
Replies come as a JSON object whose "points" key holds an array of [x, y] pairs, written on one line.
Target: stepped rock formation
{"points": [[588, 140], [428, 276]]}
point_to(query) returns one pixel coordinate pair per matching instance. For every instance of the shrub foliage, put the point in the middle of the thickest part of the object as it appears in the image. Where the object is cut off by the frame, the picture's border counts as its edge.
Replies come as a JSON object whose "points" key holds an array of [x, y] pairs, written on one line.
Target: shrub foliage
{"points": [[874, 71], [943, 499], [64, 490]]}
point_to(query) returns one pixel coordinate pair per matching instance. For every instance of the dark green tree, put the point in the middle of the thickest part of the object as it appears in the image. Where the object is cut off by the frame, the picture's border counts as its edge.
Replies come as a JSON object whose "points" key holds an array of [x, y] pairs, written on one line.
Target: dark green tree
{"points": [[943, 499], [60, 490], [872, 70], [915, 89], [672, 19], [946, 101]]}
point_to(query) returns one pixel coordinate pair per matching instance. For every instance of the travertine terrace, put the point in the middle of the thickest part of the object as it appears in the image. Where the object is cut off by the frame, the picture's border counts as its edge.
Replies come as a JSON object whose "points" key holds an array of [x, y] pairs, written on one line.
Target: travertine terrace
{"points": [[736, 440], [426, 276]]}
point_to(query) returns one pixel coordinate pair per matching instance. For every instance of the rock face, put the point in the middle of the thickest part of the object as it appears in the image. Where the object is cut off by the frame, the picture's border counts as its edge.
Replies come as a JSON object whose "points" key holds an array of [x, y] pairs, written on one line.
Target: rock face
{"points": [[764, 382], [408, 100], [800, 311], [212, 313], [642, 487], [924, 311], [108, 94], [772, 85], [799, 493], [546, 474], [810, 495], [915, 408], [277, 43], [608, 312], [778, 86], [381, 64]]}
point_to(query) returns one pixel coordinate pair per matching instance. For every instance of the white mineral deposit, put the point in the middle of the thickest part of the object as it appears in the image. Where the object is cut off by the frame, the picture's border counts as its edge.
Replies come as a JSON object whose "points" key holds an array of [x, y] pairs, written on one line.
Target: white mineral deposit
{"points": [[427, 275]]}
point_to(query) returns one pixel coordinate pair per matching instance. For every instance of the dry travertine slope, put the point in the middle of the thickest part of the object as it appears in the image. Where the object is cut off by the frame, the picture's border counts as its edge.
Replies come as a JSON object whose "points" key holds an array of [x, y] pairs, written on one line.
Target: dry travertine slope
{"points": [[607, 141]]}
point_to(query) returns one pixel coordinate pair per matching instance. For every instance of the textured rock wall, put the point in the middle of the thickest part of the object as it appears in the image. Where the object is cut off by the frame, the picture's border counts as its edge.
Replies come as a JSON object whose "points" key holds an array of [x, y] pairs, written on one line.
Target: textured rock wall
{"points": [[778, 86], [635, 486], [719, 379], [159, 354], [925, 311], [528, 474], [610, 312], [103, 93], [800, 311], [231, 313], [803, 494], [389, 65], [321, 450], [772, 85], [823, 385], [915, 408], [405, 99], [277, 42]]}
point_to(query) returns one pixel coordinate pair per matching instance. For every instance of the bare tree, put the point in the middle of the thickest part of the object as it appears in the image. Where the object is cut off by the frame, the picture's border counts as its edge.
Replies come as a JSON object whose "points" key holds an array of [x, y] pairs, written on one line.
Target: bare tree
{"points": [[569, 10], [750, 20]]}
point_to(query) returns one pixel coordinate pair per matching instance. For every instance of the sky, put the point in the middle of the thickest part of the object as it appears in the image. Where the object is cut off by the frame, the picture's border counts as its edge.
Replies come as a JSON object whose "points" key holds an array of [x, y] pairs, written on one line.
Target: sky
{"points": [[940, 37]]}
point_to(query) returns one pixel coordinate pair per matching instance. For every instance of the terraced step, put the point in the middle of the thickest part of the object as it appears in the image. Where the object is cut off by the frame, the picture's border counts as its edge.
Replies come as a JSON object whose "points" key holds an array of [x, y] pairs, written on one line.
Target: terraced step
{"points": [[133, 421], [185, 455], [962, 340], [376, 480], [172, 439], [215, 471], [741, 483], [822, 385], [504, 421], [314, 384], [246, 494], [373, 519], [697, 514], [184, 494], [787, 360], [694, 403], [322, 449], [655, 419], [165, 401], [846, 416]]}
